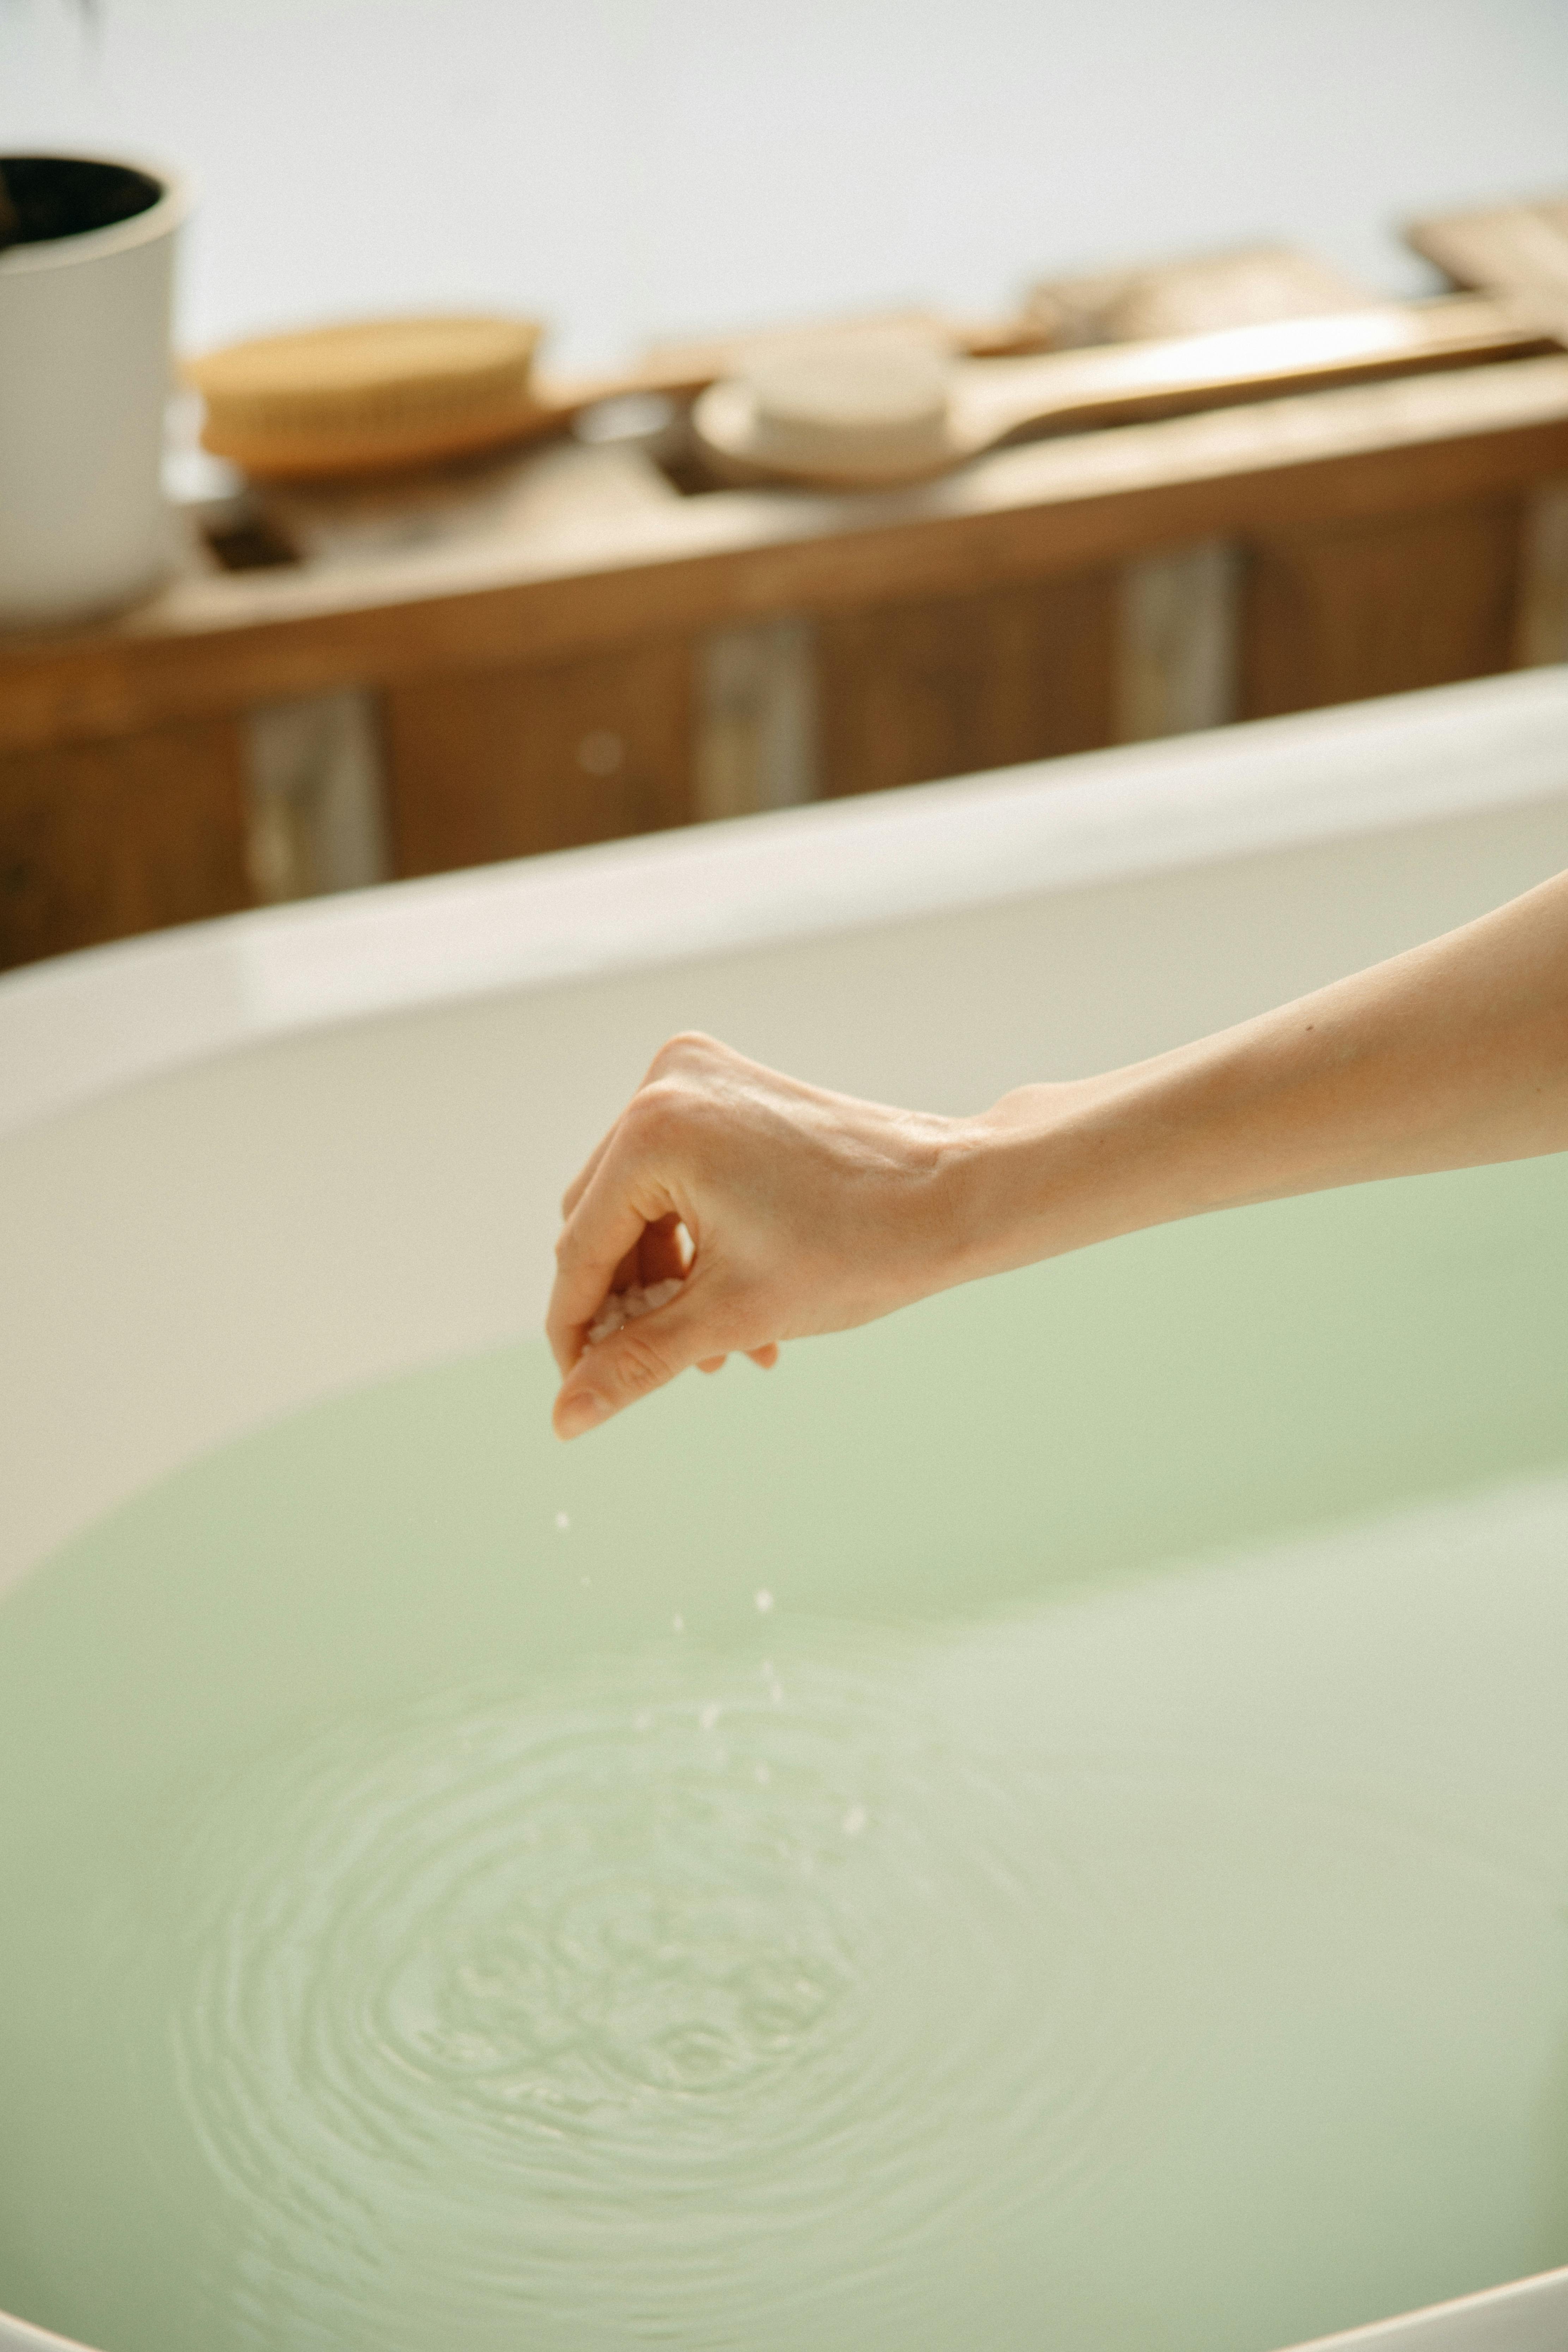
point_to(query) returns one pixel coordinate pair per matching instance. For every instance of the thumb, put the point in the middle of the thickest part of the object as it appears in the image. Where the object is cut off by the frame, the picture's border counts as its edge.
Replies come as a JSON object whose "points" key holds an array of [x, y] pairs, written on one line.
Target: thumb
{"points": [[642, 1355]]}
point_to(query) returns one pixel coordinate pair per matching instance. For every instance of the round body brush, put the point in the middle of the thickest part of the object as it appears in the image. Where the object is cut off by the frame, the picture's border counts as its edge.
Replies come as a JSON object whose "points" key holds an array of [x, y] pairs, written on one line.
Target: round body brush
{"points": [[374, 395]]}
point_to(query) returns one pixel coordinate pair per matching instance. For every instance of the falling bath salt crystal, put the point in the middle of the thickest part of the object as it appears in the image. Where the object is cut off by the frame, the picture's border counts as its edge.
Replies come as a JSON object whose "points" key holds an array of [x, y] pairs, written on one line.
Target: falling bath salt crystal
{"points": [[764, 1601], [763, 1776], [853, 1820], [561, 1523], [677, 1624], [709, 1717], [623, 1306]]}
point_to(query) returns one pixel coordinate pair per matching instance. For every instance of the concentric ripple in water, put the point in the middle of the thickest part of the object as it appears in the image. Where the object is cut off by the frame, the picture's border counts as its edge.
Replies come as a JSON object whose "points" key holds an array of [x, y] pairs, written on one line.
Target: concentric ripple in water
{"points": [[446, 1910], [488, 1998]]}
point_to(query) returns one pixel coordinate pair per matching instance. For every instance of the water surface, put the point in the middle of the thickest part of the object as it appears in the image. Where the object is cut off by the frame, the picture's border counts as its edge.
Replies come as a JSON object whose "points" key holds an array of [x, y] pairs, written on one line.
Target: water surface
{"points": [[732, 1885]]}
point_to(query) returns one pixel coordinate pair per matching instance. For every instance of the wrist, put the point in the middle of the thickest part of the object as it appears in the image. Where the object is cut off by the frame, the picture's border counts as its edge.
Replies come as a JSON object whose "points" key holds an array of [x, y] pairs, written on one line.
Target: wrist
{"points": [[1051, 1168], [1033, 1177]]}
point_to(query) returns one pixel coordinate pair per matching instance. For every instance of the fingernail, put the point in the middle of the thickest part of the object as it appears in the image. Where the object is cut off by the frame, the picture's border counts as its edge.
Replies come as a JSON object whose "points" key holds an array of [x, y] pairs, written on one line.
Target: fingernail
{"points": [[580, 1412]]}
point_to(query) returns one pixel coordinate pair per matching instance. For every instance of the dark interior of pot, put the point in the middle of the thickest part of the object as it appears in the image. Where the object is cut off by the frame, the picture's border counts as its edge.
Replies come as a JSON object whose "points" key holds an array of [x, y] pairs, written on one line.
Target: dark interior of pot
{"points": [[47, 197]]}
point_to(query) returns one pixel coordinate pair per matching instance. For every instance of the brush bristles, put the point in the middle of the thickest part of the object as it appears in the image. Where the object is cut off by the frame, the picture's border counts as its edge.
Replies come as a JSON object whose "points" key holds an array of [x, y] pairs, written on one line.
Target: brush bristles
{"points": [[382, 391]]}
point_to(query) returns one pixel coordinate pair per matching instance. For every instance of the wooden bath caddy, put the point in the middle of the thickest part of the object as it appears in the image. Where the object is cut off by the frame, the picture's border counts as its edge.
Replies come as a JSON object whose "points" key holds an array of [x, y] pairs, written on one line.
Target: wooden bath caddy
{"points": [[573, 643]]}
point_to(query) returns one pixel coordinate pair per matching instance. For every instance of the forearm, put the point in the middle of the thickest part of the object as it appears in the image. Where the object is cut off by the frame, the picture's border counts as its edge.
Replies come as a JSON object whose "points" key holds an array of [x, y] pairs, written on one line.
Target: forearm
{"points": [[1452, 1055], [811, 1212]]}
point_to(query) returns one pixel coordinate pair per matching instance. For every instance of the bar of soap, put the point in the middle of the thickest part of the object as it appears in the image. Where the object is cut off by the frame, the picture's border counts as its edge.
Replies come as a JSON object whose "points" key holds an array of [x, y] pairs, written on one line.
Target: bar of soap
{"points": [[623, 1306]]}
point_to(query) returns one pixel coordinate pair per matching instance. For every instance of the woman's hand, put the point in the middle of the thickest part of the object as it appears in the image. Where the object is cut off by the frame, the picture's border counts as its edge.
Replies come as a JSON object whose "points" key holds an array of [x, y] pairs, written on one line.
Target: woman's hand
{"points": [[811, 1212], [806, 1212]]}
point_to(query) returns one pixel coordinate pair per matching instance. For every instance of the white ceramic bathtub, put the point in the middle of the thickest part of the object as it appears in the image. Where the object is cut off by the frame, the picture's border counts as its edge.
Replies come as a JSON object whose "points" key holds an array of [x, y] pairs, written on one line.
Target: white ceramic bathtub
{"points": [[264, 1161]]}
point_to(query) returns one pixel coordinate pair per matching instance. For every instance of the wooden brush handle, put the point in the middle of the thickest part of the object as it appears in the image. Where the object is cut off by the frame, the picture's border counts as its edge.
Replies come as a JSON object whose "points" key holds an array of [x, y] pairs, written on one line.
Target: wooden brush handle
{"points": [[997, 400], [683, 370]]}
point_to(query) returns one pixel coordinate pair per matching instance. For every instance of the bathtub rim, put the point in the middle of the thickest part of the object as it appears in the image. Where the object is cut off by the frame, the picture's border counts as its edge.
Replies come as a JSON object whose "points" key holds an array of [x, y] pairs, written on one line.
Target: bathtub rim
{"points": [[77, 1027], [1531, 2310]]}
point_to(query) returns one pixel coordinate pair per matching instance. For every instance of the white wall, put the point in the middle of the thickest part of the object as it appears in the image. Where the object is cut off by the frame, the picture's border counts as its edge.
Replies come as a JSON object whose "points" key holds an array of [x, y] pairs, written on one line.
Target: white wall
{"points": [[631, 167]]}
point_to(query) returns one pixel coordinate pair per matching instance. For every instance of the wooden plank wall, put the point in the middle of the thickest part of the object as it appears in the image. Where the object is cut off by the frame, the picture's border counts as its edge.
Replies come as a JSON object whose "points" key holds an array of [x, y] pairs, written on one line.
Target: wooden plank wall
{"points": [[733, 654], [1357, 609], [507, 762], [101, 840], [909, 692]]}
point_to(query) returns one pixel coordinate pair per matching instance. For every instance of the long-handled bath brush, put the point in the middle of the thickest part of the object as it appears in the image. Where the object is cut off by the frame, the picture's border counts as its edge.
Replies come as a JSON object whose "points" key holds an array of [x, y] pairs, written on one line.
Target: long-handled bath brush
{"points": [[861, 413]]}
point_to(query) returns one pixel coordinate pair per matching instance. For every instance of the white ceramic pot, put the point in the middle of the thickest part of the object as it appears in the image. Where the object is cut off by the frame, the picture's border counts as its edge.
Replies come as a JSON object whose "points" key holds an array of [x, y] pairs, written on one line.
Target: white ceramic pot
{"points": [[85, 357]]}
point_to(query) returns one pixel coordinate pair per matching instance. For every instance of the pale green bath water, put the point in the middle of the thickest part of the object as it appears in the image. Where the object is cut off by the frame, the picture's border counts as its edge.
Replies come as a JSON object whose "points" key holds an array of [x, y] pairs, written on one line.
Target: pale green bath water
{"points": [[412, 1937]]}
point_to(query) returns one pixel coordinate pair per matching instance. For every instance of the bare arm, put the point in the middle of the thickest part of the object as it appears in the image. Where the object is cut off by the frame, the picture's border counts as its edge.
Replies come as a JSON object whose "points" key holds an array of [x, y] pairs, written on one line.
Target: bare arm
{"points": [[811, 1212]]}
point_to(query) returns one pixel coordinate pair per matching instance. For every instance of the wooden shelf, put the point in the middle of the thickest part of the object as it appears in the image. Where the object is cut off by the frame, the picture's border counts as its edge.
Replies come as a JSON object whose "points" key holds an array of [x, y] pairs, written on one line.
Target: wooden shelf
{"points": [[1380, 535]]}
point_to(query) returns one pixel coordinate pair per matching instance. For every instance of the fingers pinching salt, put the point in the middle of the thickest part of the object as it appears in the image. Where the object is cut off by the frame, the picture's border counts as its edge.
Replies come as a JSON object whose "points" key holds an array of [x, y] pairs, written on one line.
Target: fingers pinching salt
{"points": [[623, 1306]]}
